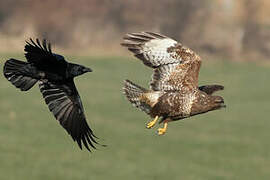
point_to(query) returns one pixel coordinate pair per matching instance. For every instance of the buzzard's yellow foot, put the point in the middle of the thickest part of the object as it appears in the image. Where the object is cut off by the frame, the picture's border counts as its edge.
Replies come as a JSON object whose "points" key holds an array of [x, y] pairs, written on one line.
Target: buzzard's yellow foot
{"points": [[162, 131], [152, 123]]}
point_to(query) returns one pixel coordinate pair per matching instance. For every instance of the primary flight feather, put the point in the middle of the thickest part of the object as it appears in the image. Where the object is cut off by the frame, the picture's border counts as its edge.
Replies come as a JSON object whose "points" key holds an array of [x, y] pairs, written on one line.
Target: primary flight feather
{"points": [[56, 82]]}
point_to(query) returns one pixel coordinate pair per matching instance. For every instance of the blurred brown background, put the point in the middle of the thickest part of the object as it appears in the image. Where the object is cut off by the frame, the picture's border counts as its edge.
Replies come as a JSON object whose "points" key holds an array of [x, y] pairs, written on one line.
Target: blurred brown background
{"points": [[232, 29]]}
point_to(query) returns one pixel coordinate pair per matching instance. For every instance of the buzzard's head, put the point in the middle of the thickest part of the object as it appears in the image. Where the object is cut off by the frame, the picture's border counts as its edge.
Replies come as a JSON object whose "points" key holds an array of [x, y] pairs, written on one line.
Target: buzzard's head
{"points": [[217, 102]]}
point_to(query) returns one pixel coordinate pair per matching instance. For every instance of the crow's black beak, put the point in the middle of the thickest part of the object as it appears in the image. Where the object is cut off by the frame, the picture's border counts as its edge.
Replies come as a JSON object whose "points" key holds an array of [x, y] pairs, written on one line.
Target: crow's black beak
{"points": [[85, 70]]}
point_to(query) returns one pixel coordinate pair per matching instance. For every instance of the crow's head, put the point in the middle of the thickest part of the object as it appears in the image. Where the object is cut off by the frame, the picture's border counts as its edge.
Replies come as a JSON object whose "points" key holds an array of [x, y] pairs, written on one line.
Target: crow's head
{"points": [[76, 70]]}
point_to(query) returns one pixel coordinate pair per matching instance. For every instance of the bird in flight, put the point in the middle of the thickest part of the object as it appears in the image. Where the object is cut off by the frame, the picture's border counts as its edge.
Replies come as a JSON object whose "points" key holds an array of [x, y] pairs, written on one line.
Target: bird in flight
{"points": [[174, 93], [55, 77]]}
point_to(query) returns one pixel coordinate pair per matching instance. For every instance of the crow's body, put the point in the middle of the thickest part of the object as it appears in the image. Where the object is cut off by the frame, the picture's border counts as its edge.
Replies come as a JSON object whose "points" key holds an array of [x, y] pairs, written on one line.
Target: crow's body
{"points": [[55, 76]]}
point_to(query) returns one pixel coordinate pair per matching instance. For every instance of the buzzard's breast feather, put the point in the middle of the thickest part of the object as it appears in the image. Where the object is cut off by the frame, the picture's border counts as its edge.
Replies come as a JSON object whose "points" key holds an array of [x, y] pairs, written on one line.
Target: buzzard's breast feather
{"points": [[189, 99], [175, 104]]}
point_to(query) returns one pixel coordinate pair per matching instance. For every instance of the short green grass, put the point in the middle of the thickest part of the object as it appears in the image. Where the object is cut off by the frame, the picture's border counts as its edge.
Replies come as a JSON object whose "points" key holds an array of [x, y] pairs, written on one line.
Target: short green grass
{"points": [[231, 143]]}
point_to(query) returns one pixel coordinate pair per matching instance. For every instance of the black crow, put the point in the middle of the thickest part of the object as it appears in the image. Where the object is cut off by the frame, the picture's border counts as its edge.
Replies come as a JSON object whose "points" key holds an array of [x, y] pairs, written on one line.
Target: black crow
{"points": [[55, 76]]}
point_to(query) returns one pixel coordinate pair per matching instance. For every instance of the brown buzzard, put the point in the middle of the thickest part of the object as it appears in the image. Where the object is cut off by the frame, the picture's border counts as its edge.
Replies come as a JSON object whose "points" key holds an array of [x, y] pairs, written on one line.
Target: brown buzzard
{"points": [[174, 93]]}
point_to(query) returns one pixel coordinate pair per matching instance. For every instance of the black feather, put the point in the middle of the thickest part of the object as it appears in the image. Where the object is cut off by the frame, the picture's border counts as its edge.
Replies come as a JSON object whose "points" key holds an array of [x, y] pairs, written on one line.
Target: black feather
{"points": [[56, 76], [16, 72]]}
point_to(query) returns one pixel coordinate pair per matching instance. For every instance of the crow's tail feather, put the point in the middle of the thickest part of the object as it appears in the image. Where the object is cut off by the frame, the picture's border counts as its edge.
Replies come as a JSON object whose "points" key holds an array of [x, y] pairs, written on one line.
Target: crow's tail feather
{"points": [[15, 72]]}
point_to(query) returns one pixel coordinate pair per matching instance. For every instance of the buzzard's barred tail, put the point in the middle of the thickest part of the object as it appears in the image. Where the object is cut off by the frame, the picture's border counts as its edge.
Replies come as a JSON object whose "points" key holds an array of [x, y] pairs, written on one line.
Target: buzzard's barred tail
{"points": [[13, 71], [134, 94]]}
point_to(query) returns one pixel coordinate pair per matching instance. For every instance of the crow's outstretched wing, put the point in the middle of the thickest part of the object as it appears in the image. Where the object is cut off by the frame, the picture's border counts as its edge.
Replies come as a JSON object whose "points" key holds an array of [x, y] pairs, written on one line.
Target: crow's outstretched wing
{"points": [[176, 67], [40, 54], [19, 74], [65, 103]]}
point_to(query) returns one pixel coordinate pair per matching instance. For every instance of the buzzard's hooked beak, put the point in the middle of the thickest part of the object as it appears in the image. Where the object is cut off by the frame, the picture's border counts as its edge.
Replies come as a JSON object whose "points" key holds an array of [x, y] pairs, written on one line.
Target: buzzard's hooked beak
{"points": [[220, 102], [223, 105]]}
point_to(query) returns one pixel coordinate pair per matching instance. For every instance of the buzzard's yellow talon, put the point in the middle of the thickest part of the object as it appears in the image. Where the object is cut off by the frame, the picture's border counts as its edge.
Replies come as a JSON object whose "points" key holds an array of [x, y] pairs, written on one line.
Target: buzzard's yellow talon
{"points": [[152, 123], [162, 131]]}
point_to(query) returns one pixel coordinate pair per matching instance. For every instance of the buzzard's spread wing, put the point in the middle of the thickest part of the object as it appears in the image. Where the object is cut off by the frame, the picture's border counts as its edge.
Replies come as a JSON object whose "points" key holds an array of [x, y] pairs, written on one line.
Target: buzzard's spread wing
{"points": [[40, 54], [175, 67], [65, 103]]}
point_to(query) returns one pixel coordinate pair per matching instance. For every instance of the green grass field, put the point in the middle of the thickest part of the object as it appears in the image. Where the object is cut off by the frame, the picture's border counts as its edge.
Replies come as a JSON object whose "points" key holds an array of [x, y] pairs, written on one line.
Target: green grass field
{"points": [[231, 143]]}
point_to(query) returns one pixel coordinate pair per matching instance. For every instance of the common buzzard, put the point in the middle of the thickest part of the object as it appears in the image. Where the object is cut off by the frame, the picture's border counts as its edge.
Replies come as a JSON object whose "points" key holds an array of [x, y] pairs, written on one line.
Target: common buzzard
{"points": [[174, 93]]}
